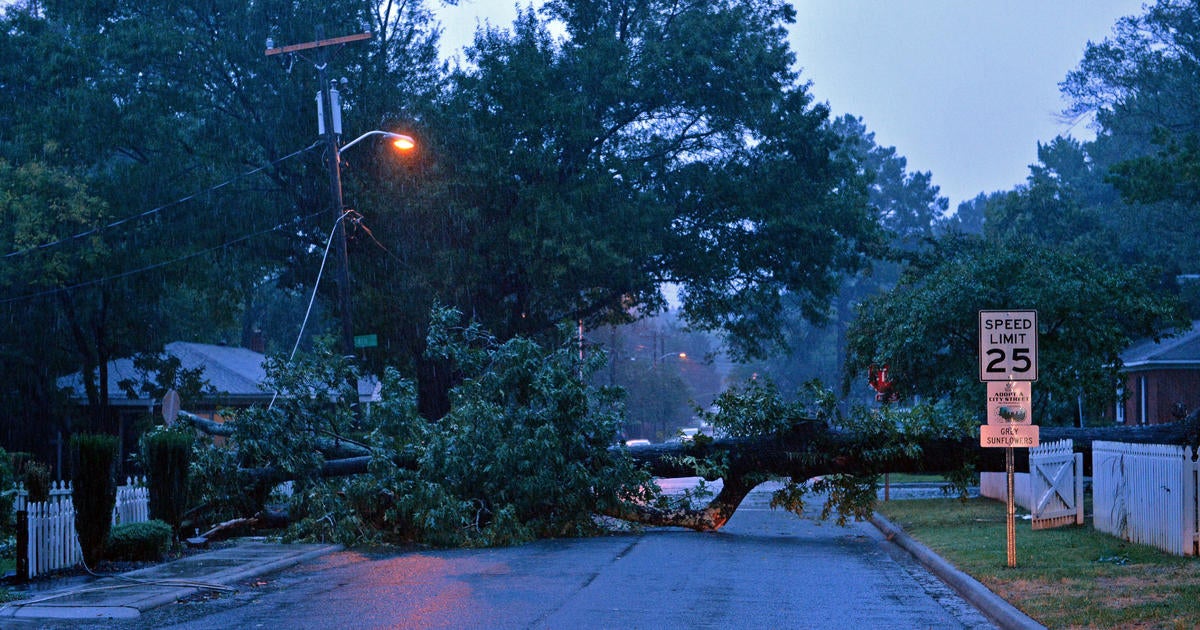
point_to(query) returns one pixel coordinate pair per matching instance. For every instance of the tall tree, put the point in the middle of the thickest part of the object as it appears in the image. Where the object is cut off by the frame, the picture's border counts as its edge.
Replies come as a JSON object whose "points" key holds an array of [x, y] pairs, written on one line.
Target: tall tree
{"points": [[1142, 78], [1141, 85], [1064, 204], [569, 177], [199, 146], [907, 206], [968, 217]]}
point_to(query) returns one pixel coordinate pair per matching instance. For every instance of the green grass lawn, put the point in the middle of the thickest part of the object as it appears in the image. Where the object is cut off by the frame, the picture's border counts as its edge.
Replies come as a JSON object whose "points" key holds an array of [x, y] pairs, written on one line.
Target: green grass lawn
{"points": [[1070, 577], [914, 478], [7, 565]]}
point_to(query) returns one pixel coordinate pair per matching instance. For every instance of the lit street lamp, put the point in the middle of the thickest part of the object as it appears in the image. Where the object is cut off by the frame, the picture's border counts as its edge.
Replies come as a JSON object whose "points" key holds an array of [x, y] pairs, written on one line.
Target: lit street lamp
{"points": [[332, 132], [399, 140], [329, 125], [681, 355]]}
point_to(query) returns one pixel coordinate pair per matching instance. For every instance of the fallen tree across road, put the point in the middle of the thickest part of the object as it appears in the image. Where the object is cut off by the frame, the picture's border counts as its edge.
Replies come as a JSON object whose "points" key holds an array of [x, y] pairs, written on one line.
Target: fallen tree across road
{"points": [[750, 461], [809, 450], [527, 449]]}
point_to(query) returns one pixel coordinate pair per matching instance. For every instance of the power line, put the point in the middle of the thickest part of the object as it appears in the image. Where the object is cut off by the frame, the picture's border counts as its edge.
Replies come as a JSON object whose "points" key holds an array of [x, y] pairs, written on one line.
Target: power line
{"points": [[311, 300], [161, 208], [158, 265]]}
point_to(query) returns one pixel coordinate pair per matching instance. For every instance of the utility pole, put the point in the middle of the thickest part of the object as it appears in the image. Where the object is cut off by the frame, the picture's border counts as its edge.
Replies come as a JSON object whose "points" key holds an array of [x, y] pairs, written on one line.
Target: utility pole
{"points": [[329, 125]]}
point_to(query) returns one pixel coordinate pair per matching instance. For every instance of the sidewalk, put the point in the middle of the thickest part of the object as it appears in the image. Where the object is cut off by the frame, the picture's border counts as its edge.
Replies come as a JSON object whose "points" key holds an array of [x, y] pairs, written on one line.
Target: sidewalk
{"points": [[128, 595]]}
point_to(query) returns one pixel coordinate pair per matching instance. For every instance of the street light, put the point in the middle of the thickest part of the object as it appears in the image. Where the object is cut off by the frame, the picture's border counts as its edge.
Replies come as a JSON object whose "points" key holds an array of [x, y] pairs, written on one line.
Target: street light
{"points": [[329, 100], [399, 140], [682, 356]]}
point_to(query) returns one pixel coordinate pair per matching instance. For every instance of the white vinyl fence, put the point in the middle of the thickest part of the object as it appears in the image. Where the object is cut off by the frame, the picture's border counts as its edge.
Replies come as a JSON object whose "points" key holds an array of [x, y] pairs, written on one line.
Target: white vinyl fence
{"points": [[133, 502], [1146, 493], [994, 485], [51, 524]]}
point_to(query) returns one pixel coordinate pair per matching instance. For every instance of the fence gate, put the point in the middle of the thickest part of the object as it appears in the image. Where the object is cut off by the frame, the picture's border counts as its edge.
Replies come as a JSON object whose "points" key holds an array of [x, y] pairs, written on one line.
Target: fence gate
{"points": [[1056, 485]]}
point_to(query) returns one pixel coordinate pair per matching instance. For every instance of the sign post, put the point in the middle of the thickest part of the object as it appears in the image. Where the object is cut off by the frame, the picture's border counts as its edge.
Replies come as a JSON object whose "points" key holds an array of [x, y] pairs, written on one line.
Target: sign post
{"points": [[1008, 363]]}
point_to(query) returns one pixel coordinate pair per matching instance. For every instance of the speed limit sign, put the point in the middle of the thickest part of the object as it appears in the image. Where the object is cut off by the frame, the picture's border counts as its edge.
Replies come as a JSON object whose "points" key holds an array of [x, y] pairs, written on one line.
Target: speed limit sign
{"points": [[1008, 346]]}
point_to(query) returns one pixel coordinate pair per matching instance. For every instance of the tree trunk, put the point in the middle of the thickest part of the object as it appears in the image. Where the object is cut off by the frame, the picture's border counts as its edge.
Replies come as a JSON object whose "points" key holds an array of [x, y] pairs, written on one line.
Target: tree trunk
{"points": [[809, 450], [753, 460]]}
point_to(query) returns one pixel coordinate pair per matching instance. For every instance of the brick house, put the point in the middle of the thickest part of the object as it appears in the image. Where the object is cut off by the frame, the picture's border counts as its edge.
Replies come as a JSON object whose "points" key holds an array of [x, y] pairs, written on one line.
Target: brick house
{"points": [[1162, 379]]}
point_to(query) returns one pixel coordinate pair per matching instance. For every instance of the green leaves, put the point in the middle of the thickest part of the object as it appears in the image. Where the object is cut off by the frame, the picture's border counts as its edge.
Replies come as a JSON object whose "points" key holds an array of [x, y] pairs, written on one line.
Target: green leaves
{"points": [[569, 177], [758, 409], [523, 452], [44, 206], [1088, 312]]}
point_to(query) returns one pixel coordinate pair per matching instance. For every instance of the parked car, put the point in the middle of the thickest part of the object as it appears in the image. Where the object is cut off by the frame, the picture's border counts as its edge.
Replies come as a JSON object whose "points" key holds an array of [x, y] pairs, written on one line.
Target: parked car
{"points": [[637, 442]]}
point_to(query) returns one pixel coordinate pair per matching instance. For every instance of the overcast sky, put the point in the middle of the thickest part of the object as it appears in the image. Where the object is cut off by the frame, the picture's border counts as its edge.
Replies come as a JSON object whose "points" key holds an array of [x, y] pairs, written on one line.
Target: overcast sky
{"points": [[964, 89]]}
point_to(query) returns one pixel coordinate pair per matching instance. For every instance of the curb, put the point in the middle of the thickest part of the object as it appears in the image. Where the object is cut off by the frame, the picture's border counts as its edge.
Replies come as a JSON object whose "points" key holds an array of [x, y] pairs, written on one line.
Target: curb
{"points": [[1001, 612]]}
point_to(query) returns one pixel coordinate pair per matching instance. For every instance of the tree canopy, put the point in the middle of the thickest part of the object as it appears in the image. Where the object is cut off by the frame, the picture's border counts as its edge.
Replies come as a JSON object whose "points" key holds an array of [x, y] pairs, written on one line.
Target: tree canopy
{"points": [[926, 329], [1098, 239], [196, 153], [568, 178]]}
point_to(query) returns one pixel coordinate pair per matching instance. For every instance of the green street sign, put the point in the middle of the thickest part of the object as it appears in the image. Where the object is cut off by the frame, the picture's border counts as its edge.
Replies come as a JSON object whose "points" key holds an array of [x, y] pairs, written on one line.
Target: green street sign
{"points": [[366, 341]]}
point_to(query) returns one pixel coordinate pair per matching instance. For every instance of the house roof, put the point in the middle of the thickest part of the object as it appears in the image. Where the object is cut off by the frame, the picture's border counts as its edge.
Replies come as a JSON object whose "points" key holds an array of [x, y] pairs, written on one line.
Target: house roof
{"points": [[234, 372], [1180, 351]]}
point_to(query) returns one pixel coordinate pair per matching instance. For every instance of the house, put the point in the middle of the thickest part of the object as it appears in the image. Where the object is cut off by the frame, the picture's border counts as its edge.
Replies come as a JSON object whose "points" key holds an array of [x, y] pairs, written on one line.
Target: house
{"points": [[1162, 379], [235, 375]]}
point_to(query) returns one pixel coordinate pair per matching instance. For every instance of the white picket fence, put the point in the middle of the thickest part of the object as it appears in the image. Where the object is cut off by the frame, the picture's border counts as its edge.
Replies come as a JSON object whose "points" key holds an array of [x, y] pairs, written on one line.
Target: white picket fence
{"points": [[52, 541], [51, 524], [133, 502], [1052, 492], [1147, 493]]}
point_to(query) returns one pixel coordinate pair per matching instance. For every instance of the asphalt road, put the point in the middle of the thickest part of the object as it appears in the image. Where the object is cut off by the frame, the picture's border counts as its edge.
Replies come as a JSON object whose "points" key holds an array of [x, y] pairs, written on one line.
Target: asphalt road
{"points": [[765, 569]]}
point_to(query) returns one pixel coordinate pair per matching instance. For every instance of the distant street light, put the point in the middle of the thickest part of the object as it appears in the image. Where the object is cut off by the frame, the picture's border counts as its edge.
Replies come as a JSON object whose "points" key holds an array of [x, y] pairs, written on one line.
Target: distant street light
{"points": [[657, 360], [681, 355]]}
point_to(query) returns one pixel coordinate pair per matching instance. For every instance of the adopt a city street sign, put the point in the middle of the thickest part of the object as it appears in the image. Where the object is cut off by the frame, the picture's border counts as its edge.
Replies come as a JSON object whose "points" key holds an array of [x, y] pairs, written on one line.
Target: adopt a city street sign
{"points": [[1009, 402], [1008, 346]]}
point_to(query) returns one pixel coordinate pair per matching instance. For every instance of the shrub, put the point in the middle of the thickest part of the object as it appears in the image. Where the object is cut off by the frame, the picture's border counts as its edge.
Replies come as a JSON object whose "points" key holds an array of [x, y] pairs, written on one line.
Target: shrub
{"points": [[37, 482], [93, 458], [7, 522], [166, 457], [147, 540]]}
